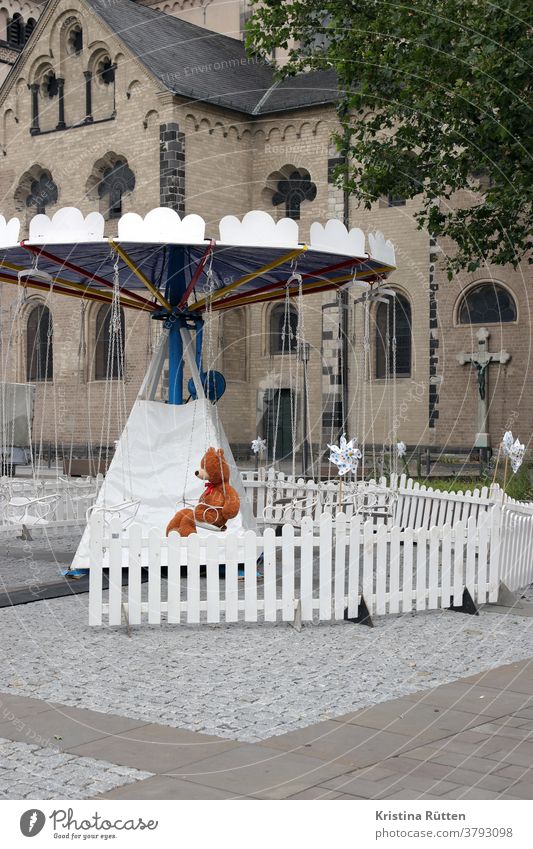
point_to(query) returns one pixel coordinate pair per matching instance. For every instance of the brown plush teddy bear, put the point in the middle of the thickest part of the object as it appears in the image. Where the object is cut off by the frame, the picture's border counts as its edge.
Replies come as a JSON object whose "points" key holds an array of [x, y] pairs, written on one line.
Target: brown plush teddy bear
{"points": [[219, 501]]}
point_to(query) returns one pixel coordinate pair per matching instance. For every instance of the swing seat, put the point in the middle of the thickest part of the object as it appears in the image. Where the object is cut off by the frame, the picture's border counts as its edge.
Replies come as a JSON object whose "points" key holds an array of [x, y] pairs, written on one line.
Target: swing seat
{"points": [[206, 527], [125, 511], [23, 510]]}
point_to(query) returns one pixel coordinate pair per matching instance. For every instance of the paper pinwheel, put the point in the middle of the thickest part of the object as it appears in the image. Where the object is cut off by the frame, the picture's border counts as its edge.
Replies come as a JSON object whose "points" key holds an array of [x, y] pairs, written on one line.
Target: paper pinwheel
{"points": [[516, 455], [507, 442], [259, 445], [345, 456]]}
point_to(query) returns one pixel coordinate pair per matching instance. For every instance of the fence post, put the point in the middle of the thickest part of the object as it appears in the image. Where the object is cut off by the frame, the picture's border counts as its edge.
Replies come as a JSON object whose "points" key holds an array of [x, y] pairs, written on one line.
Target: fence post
{"points": [[96, 563], [495, 576]]}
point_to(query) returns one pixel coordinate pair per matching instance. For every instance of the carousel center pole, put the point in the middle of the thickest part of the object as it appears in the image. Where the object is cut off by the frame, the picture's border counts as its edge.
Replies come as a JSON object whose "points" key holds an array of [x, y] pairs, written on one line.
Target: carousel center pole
{"points": [[175, 289]]}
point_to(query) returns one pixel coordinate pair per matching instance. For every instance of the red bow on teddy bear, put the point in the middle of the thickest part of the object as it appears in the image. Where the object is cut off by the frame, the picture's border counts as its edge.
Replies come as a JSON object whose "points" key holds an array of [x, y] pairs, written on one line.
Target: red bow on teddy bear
{"points": [[219, 501]]}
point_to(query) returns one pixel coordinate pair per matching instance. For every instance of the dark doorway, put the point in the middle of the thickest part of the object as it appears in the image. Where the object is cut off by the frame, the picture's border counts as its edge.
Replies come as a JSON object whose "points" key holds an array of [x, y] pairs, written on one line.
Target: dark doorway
{"points": [[281, 442]]}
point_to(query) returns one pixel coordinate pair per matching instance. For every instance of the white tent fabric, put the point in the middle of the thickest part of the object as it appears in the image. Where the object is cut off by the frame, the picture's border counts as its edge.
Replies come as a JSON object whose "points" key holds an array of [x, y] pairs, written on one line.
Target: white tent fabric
{"points": [[156, 457]]}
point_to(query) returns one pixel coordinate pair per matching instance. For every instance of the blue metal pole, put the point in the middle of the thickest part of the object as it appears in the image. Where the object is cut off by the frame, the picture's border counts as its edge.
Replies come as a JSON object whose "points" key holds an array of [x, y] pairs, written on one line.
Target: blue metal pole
{"points": [[175, 363], [175, 288]]}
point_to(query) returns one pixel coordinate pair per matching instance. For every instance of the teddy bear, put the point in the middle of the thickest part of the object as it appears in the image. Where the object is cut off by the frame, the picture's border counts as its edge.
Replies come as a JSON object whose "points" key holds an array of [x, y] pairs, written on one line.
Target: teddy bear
{"points": [[219, 501]]}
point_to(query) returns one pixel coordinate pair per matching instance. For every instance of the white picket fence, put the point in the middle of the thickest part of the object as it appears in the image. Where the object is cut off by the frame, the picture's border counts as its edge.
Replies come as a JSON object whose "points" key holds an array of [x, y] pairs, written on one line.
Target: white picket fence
{"points": [[418, 506], [308, 574], [277, 498], [517, 545]]}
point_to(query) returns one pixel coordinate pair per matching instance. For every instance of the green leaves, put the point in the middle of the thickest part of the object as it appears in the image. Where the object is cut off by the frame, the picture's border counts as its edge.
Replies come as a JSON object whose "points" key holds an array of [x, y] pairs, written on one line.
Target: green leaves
{"points": [[428, 93]]}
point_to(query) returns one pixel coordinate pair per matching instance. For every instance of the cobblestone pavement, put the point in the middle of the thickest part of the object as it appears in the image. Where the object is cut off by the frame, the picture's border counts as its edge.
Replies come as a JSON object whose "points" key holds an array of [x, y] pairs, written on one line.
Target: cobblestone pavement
{"points": [[28, 771], [25, 562], [245, 682]]}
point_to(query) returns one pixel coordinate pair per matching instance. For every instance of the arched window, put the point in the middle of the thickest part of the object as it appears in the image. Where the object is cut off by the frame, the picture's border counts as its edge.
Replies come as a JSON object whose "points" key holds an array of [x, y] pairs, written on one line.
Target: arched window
{"points": [[487, 303], [28, 29], [283, 329], [75, 40], [109, 350], [15, 31], [292, 190], [105, 71], [385, 321], [39, 347], [117, 180]]}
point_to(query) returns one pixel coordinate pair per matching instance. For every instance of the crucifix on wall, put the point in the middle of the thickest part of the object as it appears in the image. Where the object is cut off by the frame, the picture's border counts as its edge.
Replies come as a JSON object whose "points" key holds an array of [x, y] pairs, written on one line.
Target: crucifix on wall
{"points": [[481, 360]]}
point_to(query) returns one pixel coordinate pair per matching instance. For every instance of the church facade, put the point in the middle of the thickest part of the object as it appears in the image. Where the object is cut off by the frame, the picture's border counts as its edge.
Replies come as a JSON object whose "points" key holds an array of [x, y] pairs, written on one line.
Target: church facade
{"points": [[126, 106]]}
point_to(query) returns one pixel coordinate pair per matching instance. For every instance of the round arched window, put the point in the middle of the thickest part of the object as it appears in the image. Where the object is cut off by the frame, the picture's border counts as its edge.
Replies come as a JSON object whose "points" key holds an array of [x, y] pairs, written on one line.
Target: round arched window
{"points": [[283, 329], [487, 303]]}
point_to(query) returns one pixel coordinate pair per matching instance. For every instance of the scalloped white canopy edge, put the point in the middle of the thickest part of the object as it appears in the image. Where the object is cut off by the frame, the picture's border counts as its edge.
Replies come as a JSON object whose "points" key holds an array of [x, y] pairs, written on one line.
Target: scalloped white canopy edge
{"points": [[256, 229]]}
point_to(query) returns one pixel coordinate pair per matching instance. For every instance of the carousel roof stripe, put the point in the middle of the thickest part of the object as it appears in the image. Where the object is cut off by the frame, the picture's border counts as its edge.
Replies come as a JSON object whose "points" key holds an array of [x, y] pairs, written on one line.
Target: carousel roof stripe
{"points": [[252, 264]]}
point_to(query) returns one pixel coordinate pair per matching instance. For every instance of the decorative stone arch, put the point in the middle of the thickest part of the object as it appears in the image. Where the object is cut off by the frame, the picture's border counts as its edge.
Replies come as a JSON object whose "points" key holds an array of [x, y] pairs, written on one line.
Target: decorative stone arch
{"points": [[233, 133], [71, 38], [204, 125], [9, 124], [289, 128], [305, 126], [289, 187], [218, 125], [191, 123], [151, 119], [40, 65], [133, 88], [36, 191], [110, 180], [101, 66], [273, 135]]}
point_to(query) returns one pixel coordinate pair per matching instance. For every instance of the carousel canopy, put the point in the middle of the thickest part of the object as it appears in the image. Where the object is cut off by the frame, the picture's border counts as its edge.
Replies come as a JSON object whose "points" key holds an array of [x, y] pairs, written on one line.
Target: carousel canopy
{"points": [[250, 262]]}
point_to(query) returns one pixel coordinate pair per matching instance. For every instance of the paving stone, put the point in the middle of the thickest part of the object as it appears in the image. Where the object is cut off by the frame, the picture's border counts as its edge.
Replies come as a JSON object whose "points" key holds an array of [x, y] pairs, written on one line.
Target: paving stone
{"points": [[515, 677], [157, 749], [261, 771], [199, 676], [520, 790], [64, 776], [348, 744], [516, 772], [63, 729], [167, 787], [473, 698]]}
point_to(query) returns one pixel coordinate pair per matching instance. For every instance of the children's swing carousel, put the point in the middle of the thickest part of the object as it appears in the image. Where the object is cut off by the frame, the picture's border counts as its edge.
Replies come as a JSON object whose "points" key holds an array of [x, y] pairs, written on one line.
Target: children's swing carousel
{"points": [[167, 267]]}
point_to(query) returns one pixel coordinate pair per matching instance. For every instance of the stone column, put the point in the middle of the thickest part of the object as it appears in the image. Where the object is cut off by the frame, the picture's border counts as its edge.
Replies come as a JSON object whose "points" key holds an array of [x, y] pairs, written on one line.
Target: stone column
{"points": [[88, 96], [61, 94], [34, 129], [172, 167]]}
